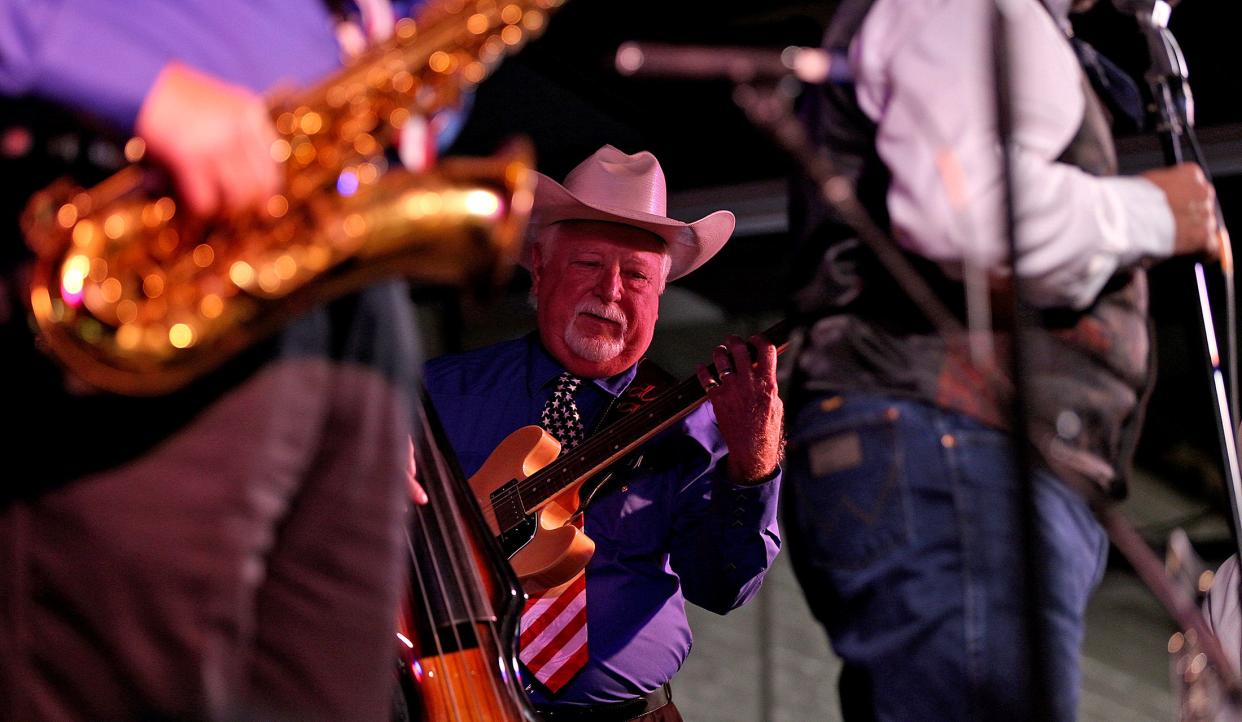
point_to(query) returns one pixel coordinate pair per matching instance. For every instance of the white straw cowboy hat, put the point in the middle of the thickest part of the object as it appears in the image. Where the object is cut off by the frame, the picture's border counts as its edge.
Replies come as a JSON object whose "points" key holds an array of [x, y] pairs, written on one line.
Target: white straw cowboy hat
{"points": [[615, 187]]}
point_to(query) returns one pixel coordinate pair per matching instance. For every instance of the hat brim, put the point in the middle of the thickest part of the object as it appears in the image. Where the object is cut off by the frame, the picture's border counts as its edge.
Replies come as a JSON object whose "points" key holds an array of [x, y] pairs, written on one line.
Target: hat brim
{"points": [[690, 245]]}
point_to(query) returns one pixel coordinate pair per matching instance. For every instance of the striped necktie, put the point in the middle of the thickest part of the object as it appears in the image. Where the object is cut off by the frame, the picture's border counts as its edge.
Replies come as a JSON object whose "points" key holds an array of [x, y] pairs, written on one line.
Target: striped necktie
{"points": [[554, 624]]}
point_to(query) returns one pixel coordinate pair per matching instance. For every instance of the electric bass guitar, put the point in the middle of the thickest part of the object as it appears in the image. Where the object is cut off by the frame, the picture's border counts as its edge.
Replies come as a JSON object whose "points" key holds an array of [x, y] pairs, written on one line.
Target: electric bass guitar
{"points": [[529, 496]]}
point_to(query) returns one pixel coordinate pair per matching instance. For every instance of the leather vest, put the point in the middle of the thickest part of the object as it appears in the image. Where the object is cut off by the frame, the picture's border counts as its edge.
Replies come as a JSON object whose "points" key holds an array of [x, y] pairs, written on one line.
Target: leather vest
{"points": [[1088, 370]]}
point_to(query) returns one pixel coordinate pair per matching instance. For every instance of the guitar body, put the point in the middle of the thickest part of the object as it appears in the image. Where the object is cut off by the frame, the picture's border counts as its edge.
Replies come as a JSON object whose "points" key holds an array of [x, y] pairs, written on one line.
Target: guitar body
{"points": [[545, 549]]}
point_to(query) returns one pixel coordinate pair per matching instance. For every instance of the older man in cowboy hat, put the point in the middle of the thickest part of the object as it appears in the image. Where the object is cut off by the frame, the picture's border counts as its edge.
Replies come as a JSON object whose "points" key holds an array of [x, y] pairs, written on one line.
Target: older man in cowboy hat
{"points": [[696, 518]]}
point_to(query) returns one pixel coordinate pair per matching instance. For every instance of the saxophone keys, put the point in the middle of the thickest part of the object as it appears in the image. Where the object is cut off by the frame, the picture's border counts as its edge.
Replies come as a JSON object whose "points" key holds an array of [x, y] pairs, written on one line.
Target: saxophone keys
{"points": [[311, 122], [86, 234], [474, 72], [128, 336], [135, 149], [317, 258], [126, 312], [281, 150], [110, 291], [181, 335], [511, 14], [67, 215], [442, 62], [478, 24], [511, 35], [277, 206], [242, 274], [285, 267], [534, 20], [269, 280], [204, 255], [73, 274]]}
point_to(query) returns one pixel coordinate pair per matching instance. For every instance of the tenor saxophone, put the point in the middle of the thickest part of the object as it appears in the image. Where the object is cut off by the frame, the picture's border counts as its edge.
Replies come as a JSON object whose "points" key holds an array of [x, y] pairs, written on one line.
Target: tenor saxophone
{"points": [[134, 296]]}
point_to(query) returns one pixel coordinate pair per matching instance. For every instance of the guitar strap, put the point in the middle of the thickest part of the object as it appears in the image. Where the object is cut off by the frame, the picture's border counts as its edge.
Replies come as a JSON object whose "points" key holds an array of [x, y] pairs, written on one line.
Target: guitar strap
{"points": [[650, 381]]}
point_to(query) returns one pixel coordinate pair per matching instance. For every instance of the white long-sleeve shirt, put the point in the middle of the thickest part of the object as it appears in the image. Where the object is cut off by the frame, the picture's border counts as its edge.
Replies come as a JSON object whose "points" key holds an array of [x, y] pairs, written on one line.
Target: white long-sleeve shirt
{"points": [[923, 74]]}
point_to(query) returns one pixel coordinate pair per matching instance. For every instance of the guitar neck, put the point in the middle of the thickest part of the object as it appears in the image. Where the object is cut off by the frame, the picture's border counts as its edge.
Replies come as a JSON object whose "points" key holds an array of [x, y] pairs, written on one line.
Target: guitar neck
{"points": [[610, 445], [613, 443]]}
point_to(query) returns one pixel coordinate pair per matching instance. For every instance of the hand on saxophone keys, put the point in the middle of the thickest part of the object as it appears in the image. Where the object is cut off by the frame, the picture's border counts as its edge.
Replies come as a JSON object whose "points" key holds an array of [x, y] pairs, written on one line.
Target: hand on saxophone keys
{"points": [[214, 138]]}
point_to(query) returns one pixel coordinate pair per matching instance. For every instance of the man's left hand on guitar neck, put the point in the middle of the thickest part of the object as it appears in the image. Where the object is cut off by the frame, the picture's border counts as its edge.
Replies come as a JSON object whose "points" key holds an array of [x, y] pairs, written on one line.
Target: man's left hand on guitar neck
{"points": [[748, 408]]}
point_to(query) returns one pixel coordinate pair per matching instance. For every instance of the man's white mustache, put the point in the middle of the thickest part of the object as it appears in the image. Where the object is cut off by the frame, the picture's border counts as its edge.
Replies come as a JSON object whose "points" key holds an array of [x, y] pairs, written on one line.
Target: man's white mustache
{"points": [[606, 311]]}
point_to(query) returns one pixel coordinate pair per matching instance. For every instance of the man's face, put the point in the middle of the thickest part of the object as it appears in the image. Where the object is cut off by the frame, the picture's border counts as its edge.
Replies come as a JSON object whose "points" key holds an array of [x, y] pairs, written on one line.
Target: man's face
{"points": [[598, 290]]}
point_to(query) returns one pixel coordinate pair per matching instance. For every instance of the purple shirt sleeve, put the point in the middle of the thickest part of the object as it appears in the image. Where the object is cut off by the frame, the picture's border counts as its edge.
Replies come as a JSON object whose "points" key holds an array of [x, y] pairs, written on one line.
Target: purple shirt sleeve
{"points": [[102, 56], [55, 50]]}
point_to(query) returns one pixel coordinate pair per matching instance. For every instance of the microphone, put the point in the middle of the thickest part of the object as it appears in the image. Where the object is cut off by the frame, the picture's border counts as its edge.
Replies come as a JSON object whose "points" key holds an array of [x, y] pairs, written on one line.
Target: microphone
{"points": [[741, 65]]}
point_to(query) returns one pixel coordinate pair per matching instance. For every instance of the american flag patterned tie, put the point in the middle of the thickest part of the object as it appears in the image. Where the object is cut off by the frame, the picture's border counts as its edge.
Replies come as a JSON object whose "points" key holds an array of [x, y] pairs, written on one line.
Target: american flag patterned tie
{"points": [[554, 624], [560, 415]]}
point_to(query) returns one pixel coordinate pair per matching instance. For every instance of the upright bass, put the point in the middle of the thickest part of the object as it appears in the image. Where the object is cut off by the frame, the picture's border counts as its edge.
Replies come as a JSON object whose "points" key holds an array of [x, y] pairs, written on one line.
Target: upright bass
{"points": [[457, 629]]}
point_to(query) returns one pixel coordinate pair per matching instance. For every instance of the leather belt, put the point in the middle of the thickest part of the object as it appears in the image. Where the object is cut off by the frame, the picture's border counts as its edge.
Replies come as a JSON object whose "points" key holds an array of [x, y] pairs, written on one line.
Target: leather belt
{"points": [[610, 712]]}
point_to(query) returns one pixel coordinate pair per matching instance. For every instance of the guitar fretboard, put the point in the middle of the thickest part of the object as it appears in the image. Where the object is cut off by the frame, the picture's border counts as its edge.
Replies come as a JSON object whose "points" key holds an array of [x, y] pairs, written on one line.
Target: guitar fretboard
{"points": [[605, 448]]}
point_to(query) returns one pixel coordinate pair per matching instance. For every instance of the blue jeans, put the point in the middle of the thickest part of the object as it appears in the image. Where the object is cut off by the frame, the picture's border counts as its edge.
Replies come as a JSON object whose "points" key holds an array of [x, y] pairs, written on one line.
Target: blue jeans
{"points": [[904, 527]]}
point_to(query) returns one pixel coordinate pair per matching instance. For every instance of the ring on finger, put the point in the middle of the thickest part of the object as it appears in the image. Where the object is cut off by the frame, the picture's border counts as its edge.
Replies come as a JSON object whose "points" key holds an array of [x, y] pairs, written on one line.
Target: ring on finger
{"points": [[711, 384], [724, 372]]}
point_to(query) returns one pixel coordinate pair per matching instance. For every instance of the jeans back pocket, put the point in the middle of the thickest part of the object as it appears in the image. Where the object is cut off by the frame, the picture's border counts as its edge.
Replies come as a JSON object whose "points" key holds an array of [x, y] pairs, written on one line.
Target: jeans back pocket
{"points": [[848, 495]]}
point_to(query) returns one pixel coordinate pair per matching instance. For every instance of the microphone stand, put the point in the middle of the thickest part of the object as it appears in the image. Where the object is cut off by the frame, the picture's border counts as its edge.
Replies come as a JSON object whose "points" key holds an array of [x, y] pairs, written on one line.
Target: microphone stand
{"points": [[1174, 115], [1174, 108], [1022, 318]]}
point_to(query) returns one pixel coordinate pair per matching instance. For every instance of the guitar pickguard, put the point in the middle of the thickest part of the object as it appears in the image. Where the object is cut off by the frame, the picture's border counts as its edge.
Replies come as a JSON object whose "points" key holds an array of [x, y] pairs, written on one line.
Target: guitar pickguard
{"points": [[515, 538]]}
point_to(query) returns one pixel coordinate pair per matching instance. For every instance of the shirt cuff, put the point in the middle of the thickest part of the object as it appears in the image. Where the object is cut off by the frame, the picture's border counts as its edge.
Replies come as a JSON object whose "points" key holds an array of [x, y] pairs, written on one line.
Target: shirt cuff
{"points": [[750, 506], [1149, 228]]}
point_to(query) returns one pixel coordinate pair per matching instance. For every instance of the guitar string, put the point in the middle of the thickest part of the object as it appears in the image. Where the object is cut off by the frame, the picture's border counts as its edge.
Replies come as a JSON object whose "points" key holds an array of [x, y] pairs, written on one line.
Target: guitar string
{"points": [[675, 397], [418, 573], [689, 388], [540, 479], [436, 513]]}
